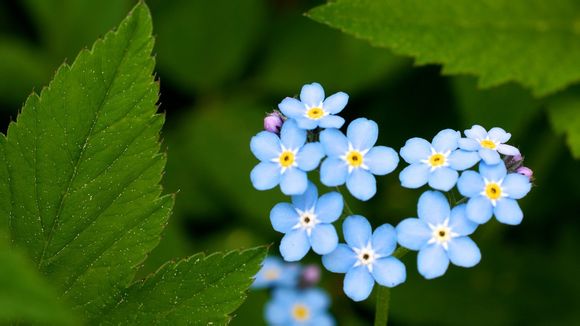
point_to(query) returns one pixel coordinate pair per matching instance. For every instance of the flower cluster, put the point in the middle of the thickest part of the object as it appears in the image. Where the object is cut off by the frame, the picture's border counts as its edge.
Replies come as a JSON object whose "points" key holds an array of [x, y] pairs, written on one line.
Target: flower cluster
{"points": [[304, 136], [295, 298]]}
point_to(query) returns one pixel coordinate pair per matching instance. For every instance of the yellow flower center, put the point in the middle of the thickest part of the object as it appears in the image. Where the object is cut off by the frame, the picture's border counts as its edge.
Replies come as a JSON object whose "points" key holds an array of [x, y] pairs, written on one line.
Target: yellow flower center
{"points": [[493, 191], [437, 160], [271, 274], [354, 158], [300, 312], [486, 143], [315, 113], [286, 159]]}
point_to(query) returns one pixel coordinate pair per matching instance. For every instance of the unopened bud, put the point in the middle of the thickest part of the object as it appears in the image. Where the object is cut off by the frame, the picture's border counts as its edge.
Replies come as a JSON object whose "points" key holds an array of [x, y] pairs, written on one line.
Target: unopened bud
{"points": [[273, 122], [311, 274], [512, 163], [523, 170]]}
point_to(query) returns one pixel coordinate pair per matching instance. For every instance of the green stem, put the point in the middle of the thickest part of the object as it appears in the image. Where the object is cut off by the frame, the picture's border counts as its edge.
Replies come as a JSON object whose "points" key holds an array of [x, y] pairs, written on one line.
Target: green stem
{"points": [[348, 210], [382, 308]]}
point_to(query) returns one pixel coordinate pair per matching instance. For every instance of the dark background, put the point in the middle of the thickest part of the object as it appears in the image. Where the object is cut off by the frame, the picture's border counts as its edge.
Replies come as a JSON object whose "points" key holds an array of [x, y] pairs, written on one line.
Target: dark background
{"points": [[223, 64]]}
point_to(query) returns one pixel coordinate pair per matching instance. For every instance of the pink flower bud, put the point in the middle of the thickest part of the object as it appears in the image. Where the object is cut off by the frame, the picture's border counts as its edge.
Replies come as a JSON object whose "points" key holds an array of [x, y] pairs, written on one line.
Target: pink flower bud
{"points": [[526, 171], [311, 274], [273, 122]]}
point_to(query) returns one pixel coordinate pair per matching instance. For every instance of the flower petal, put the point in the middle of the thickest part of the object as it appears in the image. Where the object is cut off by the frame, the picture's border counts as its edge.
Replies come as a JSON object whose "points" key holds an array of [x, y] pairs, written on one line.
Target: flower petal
{"points": [[316, 299], [499, 135], [362, 133], [489, 156], [516, 185], [357, 231], [384, 240], [276, 313], [306, 123], [470, 184], [308, 199], [293, 182], [463, 252], [335, 103], [412, 233], [415, 150], [479, 209], [329, 207], [265, 146], [468, 144], [508, 150], [322, 319], [312, 94], [323, 238], [358, 283], [507, 211], [333, 172], [462, 160], [334, 142], [292, 136], [476, 132], [459, 223], [331, 121], [389, 271], [294, 245], [492, 172], [265, 175], [381, 160], [432, 261], [446, 140], [309, 156], [443, 179], [340, 260], [433, 207], [283, 217], [292, 108], [414, 176], [361, 184]]}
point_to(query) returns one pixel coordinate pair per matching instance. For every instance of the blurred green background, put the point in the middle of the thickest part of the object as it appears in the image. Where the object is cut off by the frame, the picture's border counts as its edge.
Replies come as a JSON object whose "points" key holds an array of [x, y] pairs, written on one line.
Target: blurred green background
{"points": [[223, 64]]}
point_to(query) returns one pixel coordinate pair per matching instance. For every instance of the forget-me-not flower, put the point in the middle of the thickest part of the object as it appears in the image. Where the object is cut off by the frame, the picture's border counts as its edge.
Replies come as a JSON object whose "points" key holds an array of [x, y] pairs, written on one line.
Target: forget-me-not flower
{"points": [[435, 163], [493, 191], [298, 307], [440, 235], [366, 258], [275, 272], [354, 159], [307, 222], [313, 110], [285, 159], [488, 144]]}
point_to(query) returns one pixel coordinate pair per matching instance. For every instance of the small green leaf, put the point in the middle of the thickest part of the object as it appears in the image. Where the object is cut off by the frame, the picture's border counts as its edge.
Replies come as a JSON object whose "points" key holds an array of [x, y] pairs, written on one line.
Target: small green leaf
{"points": [[533, 42], [196, 291], [84, 169], [564, 113]]}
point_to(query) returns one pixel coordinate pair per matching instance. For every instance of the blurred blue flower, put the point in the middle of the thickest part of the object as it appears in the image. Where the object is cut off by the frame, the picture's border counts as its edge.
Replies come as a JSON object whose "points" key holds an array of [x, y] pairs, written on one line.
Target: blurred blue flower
{"points": [[365, 258], [493, 191], [276, 272], [299, 307], [313, 110], [488, 144], [435, 163], [354, 160], [284, 159], [440, 235], [307, 223]]}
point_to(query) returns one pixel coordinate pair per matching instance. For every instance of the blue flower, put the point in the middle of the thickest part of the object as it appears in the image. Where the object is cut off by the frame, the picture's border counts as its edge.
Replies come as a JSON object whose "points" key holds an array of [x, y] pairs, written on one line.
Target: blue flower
{"points": [[493, 191], [284, 159], [299, 307], [488, 144], [440, 235], [354, 160], [365, 258], [275, 272], [313, 110], [435, 163], [307, 223]]}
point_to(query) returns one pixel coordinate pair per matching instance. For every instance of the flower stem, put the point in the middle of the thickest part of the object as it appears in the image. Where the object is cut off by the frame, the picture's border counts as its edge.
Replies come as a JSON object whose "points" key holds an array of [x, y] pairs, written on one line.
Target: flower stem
{"points": [[382, 308], [348, 210]]}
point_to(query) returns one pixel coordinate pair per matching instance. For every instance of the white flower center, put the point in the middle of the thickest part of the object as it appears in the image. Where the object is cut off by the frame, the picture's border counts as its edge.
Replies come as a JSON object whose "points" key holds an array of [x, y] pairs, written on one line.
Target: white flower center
{"points": [[441, 234], [493, 191], [307, 220], [366, 256], [355, 158], [437, 159]]}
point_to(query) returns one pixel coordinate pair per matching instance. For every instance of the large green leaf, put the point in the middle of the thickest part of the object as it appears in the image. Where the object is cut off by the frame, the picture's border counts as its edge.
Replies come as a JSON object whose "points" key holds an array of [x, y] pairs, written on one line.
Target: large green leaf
{"points": [[533, 42], [564, 113], [84, 169], [196, 291]]}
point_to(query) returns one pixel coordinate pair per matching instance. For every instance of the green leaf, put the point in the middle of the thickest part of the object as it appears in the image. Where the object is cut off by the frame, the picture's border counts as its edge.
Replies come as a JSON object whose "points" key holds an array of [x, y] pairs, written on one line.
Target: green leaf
{"points": [[564, 113], [84, 169], [196, 291], [532, 42], [25, 297]]}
